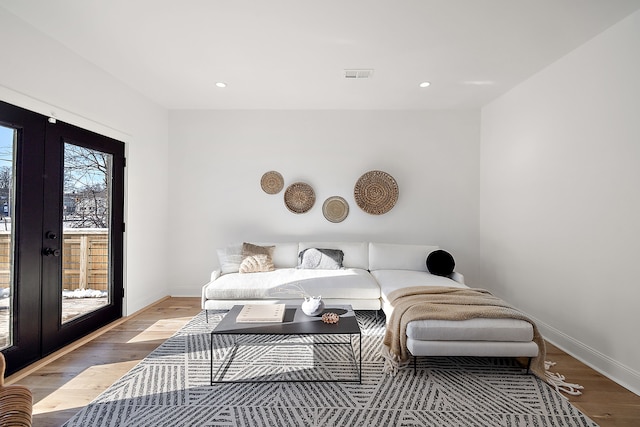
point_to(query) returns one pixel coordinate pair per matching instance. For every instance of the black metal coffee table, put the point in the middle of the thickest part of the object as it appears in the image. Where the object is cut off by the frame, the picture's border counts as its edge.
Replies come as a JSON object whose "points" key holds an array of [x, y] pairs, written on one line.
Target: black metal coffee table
{"points": [[295, 323]]}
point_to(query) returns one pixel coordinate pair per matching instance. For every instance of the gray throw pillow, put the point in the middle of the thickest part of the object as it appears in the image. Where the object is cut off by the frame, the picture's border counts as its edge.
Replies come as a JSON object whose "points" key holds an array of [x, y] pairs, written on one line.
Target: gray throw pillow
{"points": [[320, 259]]}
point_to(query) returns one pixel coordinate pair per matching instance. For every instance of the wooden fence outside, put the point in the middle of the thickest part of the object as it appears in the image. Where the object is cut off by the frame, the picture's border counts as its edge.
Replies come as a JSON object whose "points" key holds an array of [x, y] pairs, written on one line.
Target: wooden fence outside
{"points": [[85, 259], [5, 259]]}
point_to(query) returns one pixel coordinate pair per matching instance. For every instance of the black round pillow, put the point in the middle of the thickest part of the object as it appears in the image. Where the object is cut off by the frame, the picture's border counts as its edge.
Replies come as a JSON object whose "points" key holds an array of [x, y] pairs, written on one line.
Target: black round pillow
{"points": [[440, 263]]}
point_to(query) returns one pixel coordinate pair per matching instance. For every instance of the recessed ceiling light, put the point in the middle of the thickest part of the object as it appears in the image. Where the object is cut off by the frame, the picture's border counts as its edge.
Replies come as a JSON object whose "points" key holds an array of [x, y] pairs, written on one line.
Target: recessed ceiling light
{"points": [[221, 84], [425, 84]]}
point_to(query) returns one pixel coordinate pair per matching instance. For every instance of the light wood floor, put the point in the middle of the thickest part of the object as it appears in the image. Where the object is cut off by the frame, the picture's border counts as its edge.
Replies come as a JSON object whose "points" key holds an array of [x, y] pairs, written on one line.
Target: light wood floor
{"points": [[63, 386]]}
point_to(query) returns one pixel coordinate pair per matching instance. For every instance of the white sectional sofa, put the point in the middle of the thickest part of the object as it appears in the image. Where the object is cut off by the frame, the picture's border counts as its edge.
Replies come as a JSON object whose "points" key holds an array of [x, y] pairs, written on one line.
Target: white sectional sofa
{"points": [[352, 284], [370, 272]]}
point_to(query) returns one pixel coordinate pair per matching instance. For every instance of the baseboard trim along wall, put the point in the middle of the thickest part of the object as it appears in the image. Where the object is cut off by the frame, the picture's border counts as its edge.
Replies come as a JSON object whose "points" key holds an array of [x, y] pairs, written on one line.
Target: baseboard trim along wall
{"points": [[616, 371]]}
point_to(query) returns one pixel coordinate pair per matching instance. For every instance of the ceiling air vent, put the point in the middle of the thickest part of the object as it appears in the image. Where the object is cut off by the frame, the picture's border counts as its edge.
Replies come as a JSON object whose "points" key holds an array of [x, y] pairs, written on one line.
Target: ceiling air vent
{"points": [[358, 74]]}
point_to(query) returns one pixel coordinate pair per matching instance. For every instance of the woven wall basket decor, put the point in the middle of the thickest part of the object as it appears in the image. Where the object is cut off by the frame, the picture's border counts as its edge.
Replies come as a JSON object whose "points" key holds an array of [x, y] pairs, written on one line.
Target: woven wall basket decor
{"points": [[376, 192], [335, 209], [299, 197], [272, 182]]}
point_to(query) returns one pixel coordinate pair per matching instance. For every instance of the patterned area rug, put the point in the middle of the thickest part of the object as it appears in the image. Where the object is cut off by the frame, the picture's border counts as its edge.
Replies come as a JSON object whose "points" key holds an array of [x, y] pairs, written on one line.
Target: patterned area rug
{"points": [[171, 388]]}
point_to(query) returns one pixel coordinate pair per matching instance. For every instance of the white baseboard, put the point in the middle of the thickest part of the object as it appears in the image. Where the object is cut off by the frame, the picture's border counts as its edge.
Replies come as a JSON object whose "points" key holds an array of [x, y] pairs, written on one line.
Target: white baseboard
{"points": [[614, 370], [184, 291]]}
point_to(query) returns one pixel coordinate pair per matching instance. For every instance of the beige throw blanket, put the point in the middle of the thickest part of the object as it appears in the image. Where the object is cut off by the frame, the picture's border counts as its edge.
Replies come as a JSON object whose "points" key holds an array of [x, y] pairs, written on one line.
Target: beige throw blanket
{"points": [[445, 303]]}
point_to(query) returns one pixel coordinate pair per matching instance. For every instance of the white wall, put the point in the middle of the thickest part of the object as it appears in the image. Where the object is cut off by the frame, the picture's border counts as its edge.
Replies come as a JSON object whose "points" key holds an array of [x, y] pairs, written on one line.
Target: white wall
{"points": [[42, 75], [218, 158], [560, 200]]}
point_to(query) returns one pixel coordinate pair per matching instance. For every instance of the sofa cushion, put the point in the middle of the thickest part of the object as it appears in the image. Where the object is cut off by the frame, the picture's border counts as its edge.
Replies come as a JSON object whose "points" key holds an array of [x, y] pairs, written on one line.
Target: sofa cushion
{"points": [[292, 283], [388, 256], [321, 259], [470, 330], [390, 280], [285, 255], [440, 263], [356, 254]]}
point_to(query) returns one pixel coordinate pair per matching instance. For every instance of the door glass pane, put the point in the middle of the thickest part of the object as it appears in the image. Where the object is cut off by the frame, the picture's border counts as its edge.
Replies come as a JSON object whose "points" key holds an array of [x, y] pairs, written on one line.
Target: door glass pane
{"points": [[7, 167], [86, 231]]}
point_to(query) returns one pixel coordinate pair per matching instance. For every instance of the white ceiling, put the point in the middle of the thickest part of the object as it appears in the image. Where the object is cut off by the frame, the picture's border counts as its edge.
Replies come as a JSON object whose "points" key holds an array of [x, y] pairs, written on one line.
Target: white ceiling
{"points": [[290, 54]]}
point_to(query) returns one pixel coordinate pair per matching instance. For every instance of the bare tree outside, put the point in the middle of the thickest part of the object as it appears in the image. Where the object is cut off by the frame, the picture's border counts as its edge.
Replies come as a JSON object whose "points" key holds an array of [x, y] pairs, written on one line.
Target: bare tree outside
{"points": [[6, 190], [6, 181], [6, 177], [87, 181], [86, 221]]}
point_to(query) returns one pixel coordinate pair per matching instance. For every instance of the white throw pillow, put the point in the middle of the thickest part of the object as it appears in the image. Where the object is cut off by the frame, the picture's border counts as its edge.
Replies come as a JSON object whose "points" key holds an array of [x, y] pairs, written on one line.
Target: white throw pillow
{"points": [[230, 258]]}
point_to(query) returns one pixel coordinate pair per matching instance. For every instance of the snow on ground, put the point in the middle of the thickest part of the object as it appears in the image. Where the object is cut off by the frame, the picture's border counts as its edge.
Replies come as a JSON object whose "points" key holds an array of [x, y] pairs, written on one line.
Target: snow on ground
{"points": [[84, 293], [78, 293]]}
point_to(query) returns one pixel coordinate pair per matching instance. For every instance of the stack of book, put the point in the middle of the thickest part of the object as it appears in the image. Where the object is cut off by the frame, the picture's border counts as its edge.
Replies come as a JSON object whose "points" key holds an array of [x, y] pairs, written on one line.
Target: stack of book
{"points": [[261, 313]]}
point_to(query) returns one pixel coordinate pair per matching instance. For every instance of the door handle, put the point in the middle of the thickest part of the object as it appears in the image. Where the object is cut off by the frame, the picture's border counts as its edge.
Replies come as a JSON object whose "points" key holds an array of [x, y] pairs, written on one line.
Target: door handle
{"points": [[51, 251]]}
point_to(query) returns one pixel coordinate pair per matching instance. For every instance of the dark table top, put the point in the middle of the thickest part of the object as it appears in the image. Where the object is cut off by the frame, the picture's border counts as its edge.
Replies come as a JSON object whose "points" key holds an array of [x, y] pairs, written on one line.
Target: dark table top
{"points": [[295, 323]]}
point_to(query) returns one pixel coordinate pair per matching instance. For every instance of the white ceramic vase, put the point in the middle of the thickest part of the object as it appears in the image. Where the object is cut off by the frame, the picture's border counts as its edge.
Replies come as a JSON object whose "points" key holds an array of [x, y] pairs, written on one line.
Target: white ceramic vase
{"points": [[313, 306]]}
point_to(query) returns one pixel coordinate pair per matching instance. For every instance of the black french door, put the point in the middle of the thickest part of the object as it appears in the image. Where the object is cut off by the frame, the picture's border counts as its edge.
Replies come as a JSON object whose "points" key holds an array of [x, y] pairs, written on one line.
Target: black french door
{"points": [[61, 233]]}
